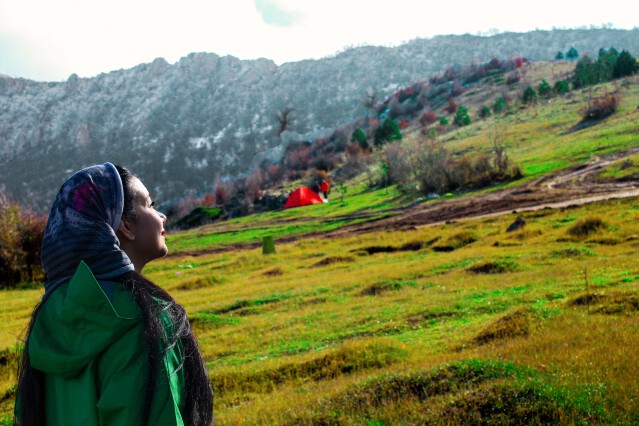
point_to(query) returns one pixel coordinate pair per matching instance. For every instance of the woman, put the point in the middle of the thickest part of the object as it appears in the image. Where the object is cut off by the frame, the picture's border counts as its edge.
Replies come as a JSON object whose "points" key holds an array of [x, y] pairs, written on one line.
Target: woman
{"points": [[106, 346]]}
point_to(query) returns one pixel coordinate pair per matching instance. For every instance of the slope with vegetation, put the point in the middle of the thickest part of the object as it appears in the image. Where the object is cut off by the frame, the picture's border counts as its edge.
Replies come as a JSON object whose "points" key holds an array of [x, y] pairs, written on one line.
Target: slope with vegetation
{"points": [[443, 321]]}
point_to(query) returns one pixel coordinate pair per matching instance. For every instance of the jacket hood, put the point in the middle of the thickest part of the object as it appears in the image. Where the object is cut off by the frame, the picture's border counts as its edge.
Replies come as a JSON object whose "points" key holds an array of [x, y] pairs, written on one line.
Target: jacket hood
{"points": [[77, 322]]}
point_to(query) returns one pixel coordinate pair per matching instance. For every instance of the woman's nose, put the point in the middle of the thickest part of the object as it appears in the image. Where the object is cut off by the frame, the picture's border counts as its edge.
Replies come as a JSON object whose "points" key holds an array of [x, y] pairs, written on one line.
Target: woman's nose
{"points": [[163, 216]]}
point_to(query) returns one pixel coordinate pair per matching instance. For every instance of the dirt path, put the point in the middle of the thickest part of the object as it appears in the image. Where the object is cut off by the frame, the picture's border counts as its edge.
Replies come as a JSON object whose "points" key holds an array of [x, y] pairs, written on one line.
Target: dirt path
{"points": [[573, 186]]}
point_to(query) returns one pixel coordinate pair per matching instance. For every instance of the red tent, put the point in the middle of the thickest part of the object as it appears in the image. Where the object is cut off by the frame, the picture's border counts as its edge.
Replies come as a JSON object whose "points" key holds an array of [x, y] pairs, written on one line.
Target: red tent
{"points": [[302, 196]]}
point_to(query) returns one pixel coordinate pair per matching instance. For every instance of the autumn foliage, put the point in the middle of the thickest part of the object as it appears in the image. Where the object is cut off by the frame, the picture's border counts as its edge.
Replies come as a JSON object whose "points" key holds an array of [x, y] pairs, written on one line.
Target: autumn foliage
{"points": [[601, 106], [21, 232]]}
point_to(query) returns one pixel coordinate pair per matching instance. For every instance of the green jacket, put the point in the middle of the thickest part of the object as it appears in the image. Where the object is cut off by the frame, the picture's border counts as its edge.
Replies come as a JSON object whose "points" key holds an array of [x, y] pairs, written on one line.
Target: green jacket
{"points": [[91, 347]]}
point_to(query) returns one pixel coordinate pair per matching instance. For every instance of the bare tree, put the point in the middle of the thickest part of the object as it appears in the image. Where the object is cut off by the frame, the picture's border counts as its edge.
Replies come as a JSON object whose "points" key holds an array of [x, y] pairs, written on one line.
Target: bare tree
{"points": [[370, 98], [285, 120], [499, 150]]}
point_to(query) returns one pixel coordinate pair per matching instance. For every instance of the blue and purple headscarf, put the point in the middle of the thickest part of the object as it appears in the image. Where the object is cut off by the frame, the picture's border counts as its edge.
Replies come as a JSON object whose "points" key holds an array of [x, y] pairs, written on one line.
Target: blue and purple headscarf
{"points": [[81, 226]]}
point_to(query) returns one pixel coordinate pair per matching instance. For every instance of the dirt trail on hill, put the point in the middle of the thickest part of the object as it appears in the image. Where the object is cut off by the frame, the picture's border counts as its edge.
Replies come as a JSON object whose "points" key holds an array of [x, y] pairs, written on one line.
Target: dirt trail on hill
{"points": [[573, 186], [570, 187]]}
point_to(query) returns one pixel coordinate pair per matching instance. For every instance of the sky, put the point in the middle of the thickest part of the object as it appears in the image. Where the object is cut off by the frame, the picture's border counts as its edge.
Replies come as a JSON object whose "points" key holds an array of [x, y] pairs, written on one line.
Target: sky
{"points": [[48, 40]]}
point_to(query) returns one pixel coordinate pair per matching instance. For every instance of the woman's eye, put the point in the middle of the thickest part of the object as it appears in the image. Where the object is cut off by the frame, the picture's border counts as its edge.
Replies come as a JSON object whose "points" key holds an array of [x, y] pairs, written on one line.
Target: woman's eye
{"points": [[152, 204]]}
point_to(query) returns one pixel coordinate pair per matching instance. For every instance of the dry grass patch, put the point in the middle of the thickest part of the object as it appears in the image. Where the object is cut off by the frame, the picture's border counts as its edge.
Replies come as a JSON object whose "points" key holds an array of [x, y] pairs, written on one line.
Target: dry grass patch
{"points": [[456, 241], [412, 246], [198, 283], [468, 392], [348, 359], [333, 259], [385, 286], [586, 227], [274, 272], [609, 304], [500, 266], [514, 324]]}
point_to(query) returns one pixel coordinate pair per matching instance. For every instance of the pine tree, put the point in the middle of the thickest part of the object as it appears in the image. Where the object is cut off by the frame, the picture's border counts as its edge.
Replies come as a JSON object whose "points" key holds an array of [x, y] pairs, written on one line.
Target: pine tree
{"points": [[359, 137], [586, 73], [561, 87], [544, 89], [572, 54], [484, 112], [461, 117], [500, 105], [387, 132], [530, 96], [625, 65]]}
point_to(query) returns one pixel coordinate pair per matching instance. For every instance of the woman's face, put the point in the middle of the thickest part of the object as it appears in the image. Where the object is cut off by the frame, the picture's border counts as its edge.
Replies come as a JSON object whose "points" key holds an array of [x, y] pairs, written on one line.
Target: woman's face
{"points": [[146, 240]]}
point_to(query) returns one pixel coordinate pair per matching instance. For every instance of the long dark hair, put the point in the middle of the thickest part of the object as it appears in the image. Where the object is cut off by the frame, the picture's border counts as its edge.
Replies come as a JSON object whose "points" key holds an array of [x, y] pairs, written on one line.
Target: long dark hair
{"points": [[153, 302], [199, 396]]}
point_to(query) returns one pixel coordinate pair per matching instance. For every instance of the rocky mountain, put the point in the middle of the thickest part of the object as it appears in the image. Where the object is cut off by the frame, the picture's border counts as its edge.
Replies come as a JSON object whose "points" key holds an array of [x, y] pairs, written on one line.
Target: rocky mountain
{"points": [[179, 126]]}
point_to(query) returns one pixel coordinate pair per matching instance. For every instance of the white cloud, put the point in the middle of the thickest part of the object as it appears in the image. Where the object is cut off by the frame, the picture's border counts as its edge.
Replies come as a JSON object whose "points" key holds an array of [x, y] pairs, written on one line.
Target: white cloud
{"points": [[49, 40]]}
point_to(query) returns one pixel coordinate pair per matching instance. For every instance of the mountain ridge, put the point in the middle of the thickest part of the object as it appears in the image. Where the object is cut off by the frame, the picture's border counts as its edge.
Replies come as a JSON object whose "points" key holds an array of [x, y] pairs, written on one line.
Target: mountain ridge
{"points": [[182, 126]]}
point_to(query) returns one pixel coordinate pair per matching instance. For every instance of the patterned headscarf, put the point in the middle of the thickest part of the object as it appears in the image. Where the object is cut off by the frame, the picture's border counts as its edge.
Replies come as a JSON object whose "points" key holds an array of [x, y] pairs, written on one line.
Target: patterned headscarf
{"points": [[81, 226]]}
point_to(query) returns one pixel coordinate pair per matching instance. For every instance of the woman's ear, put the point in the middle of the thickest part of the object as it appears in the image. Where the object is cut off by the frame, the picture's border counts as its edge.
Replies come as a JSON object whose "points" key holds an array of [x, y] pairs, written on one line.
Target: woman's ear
{"points": [[126, 230]]}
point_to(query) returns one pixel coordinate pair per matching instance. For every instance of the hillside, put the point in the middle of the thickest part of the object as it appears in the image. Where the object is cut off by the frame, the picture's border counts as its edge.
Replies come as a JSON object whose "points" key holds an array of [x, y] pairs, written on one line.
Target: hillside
{"points": [[181, 126], [387, 307]]}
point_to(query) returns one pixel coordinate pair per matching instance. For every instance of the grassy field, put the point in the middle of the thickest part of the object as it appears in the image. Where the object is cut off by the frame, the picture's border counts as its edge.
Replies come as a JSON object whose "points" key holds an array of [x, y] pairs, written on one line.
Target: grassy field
{"points": [[455, 323], [472, 322]]}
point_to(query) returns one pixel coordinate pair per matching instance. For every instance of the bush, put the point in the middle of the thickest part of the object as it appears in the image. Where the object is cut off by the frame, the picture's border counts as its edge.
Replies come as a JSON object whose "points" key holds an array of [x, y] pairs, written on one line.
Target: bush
{"points": [[428, 167], [561, 87], [359, 137], [513, 78], [529, 96], [544, 89], [500, 105], [625, 65], [21, 233], [572, 54], [601, 107], [197, 217], [587, 227], [387, 132], [427, 118], [461, 117], [451, 108], [484, 112]]}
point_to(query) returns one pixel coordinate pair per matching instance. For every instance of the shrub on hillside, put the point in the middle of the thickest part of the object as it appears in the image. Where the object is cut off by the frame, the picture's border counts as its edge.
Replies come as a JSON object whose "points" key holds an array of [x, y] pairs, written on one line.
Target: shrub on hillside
{"points": [[427, 118], [427, 167], [561, 87], [21, 232], [359, 137], [587, 227], [544, 89], [601, 106], [456, 89], [461, 117], [513, 77], [484, 112], [356, 162], [572, 54], [529, 96], [625, 65], [451, 108], [387, 132], [501, 105]]}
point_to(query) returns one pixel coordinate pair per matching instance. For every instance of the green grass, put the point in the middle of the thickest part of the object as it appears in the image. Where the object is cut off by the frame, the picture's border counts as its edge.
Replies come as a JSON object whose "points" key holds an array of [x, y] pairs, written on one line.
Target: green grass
{"points": [[455, 323], [360, 205]]}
